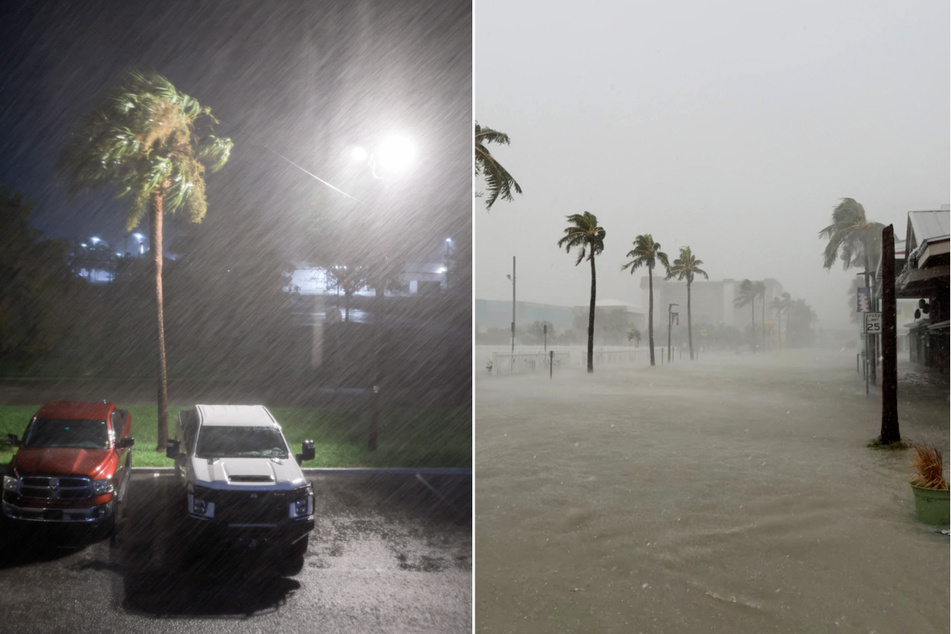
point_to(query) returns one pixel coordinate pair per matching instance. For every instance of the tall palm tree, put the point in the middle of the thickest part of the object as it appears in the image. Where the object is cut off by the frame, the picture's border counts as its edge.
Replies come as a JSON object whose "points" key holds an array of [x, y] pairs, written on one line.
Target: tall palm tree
{"points": [[746, 295], [153, 143], [585, 234], [761, 293], [647, 253], [855, 241], [780, 305], [685, 268], [499, 181]]}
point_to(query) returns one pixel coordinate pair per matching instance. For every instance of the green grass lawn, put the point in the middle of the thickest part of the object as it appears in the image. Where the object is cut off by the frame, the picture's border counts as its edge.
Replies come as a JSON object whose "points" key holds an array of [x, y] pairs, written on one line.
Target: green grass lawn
{"points": [[407, 437]]}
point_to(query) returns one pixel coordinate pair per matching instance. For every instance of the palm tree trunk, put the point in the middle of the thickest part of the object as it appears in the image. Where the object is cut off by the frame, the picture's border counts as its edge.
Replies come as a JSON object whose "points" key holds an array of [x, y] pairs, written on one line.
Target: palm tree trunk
{"points": [[591, 318], [689, 323], [753, 323], [155, 231], [650, 311]]}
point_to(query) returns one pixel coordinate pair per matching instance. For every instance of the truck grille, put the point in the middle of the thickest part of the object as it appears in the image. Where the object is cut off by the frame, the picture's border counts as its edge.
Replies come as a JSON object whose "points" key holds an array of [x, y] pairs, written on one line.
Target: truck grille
{"points": [[55, 487], [251, 507]]}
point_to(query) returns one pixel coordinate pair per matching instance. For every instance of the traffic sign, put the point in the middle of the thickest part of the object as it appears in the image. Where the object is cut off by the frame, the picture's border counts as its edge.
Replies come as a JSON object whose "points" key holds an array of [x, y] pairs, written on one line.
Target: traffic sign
{"points": [[873, 323]]}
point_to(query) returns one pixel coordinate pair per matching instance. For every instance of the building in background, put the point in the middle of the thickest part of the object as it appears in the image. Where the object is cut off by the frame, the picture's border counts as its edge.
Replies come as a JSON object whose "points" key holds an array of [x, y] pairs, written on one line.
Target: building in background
{"points": [[922, 274]]}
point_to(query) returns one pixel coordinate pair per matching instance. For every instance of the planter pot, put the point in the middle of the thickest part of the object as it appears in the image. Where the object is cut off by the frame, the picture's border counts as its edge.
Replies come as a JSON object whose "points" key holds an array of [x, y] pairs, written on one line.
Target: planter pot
{"points": [[931, 505]]}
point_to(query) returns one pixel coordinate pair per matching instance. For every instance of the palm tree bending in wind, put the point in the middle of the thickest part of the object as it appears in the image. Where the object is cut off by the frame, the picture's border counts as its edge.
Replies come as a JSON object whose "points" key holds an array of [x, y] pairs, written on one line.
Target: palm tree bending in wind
{"points": [[855, 241], [499, 181], [761, 293], [685, 268], [585, 234], [647, 253], [780, 305], [153, 144], [746, 295]]}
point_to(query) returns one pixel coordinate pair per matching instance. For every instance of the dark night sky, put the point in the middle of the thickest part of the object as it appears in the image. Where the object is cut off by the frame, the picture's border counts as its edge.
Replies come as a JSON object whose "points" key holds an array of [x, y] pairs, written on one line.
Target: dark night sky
{"points": [[306, 79]]}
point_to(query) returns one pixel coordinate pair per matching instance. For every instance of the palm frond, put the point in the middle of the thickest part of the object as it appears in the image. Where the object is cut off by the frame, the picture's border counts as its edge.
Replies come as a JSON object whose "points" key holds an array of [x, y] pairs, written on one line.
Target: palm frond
{"points": [[583, 233], [497, 179], [214, 152]]}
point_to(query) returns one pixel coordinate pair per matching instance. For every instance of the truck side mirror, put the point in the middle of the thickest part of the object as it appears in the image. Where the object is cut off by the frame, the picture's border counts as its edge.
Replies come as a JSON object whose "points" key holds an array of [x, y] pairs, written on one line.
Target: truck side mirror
{"points": [[171, 449], [13, 440], [125, 443], [307, 451]]}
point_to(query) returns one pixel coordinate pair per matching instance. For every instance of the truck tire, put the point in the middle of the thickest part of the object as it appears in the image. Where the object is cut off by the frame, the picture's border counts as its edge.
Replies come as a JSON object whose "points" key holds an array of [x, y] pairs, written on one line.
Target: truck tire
{"points": [[294, 557]]}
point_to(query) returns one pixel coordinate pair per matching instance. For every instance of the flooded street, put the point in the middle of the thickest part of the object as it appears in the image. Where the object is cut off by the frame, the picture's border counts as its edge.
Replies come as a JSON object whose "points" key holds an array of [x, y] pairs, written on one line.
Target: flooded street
{"points": [[734, 494]]}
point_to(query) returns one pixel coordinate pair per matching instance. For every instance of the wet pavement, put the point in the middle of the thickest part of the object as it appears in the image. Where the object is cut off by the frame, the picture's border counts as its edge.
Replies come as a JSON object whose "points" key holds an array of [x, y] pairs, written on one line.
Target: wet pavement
{"points": [[391, 552], [732, 494]]}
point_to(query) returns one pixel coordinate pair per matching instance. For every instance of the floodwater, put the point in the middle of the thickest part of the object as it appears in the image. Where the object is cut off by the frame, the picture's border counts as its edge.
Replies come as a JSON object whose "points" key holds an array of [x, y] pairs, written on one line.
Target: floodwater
{"points": [[730, 494]]}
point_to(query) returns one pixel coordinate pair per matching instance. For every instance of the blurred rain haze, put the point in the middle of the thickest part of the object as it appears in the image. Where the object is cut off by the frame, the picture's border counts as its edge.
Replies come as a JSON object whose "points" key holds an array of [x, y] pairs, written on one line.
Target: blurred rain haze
{"points": [[306, 80], [733, 128]]}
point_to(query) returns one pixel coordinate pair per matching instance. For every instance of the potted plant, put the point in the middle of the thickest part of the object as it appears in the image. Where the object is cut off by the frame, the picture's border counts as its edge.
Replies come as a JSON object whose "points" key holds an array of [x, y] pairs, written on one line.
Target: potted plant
{"points": [[929, 486]]}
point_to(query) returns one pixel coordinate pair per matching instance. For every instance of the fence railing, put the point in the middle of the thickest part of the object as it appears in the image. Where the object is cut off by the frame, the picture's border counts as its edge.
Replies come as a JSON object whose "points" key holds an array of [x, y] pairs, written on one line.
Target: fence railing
{"points": [[527, 362], [504, 362]]}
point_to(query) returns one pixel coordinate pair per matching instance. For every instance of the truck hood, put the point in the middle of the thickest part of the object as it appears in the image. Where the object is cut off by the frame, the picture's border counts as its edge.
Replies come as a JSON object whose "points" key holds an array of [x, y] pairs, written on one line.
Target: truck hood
{"points": [[63, 460], [252, 473]]}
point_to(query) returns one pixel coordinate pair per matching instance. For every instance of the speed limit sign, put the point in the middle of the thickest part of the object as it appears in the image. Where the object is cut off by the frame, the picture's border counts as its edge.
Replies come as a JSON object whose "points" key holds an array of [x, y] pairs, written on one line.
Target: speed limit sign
{"points": [[873, 323]]}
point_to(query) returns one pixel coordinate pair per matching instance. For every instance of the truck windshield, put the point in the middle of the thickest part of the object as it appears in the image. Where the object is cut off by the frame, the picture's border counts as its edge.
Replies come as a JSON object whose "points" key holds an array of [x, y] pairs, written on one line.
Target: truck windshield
{"points": [[240, 442], [65, 432]]}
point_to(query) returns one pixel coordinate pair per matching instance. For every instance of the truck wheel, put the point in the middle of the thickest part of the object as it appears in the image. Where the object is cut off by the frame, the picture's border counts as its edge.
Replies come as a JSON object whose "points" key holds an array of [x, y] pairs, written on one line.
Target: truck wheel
{"points": [[294, 557]]}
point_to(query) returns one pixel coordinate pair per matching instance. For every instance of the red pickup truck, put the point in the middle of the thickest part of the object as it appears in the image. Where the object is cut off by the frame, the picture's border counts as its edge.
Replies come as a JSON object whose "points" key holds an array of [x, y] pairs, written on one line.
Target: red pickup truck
{"points": [[73, 464]]}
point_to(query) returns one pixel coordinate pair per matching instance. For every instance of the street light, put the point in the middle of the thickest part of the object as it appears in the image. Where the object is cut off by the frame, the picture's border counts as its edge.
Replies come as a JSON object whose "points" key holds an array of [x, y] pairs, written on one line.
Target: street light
{"points": [[140, 239], [395, 155], [669, 313]]}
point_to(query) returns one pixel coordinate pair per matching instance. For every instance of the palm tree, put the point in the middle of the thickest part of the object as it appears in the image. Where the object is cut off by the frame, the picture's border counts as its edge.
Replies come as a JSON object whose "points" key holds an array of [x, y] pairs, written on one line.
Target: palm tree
{"points": [[584, 233], [799, 322], [499, 181], [153, 143], [685, 268], [634, 335], [779, 306], [747, 294], [761, 293], [855, 241], [647, 253]]}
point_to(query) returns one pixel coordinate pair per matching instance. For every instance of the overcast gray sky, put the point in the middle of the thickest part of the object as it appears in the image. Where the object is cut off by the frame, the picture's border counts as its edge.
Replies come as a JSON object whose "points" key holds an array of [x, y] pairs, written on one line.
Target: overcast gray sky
{"points": [[731, 127]]}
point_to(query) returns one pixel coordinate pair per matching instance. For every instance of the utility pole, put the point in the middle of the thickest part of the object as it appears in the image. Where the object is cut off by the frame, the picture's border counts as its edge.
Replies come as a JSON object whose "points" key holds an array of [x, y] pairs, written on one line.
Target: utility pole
{"points": [[889, 433], [669, 312], [512, 277]]}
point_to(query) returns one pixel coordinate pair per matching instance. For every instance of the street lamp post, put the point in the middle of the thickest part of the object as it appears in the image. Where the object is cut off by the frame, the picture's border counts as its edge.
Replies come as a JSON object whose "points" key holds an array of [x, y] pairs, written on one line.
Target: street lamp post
{"points": [[393, 155], [669, 313], [139, 241], [512, 277]]}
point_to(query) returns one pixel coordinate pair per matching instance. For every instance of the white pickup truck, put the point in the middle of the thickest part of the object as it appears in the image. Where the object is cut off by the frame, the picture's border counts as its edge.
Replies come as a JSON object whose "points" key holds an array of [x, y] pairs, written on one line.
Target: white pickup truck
{"points": [[240, 484]]}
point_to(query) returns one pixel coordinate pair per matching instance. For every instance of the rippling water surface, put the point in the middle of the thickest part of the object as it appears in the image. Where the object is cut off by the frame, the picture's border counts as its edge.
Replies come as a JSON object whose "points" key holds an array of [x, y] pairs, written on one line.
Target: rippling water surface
{"points": [[731, 494]]}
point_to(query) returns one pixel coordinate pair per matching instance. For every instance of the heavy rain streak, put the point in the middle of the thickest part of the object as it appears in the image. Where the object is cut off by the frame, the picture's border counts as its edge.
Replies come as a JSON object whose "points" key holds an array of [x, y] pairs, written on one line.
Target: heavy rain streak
{"points": [[711, 316], [210, 204]]}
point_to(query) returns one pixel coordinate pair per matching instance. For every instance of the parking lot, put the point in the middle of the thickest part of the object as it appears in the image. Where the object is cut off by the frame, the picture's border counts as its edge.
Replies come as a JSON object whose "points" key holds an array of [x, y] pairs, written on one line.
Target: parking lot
{"points": [[391, 552]]}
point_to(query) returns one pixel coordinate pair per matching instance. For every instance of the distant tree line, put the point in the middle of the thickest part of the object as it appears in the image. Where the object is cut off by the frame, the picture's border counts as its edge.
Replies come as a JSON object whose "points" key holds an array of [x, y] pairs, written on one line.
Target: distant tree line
{"points": [[225, 304]]}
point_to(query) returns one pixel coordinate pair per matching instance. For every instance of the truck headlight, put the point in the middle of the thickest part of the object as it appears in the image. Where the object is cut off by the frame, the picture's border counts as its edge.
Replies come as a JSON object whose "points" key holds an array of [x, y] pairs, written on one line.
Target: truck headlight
{"points": [[11, 484], [100, 487], [303, 506]]}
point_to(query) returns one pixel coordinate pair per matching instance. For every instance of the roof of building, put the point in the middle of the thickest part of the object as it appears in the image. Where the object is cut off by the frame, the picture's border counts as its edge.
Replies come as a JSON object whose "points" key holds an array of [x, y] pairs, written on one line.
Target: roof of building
{"points": [[929, 225]]}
